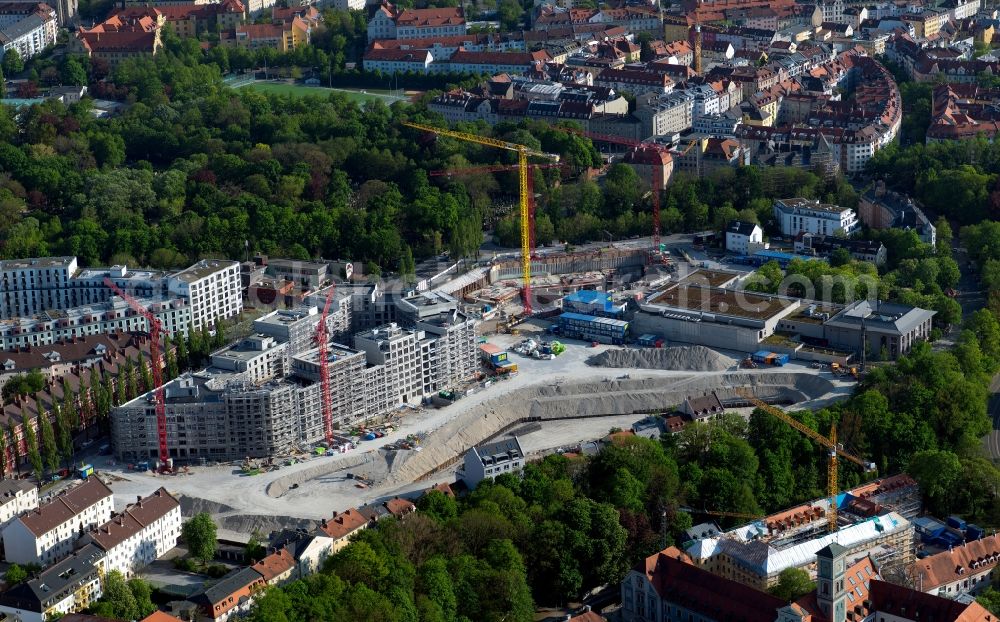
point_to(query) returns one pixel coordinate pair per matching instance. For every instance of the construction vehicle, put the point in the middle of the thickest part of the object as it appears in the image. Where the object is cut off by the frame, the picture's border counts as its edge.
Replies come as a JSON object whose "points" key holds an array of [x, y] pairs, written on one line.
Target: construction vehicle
{"points": [[526, 193], [834, 451], [156, 363]]}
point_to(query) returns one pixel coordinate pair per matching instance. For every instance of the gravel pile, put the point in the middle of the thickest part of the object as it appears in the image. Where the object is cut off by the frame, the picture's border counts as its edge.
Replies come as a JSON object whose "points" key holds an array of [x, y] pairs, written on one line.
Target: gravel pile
{"points": [[686, 358]]}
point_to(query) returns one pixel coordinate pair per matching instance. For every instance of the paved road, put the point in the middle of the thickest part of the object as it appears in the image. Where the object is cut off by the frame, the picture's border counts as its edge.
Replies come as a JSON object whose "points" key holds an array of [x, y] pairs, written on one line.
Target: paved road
{"points": [[992, 440]]}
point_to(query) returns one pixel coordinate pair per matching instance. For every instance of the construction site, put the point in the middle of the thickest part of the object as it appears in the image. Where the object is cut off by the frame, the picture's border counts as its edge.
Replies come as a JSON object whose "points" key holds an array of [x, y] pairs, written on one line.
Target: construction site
{"points": [[360, 395]]}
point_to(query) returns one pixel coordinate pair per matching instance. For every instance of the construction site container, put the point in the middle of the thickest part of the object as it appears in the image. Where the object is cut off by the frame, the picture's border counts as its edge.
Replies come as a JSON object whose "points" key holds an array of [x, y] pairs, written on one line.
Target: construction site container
{"points": [[956, 522], [760, 356], [780, 360], [85, 471], [973, 532], [489, 349]]}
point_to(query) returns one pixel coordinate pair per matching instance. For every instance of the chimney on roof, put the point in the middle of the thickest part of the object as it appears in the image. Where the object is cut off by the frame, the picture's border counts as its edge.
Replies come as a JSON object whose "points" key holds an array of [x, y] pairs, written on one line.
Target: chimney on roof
{"points": [[138, 500]]}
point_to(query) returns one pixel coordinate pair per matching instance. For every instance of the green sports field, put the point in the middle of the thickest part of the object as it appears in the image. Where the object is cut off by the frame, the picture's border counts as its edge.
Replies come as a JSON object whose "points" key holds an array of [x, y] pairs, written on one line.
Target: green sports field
{"points": [[301, 91]]}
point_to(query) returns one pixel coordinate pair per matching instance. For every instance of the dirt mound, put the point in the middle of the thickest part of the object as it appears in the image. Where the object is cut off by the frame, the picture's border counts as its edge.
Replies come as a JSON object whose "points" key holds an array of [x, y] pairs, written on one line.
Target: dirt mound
{"points": [[249, 523], [195, 505], [684, 358]]}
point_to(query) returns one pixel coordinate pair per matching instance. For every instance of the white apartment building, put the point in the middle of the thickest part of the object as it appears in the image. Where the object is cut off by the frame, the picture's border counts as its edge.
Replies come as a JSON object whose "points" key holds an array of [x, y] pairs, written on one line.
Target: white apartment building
{"points": [[213, 288], [665, 114], [112, 316], [44, 300], [257, 358], [492, 459], [16, 496], [71, 585], [388, 23], [743, 237], [140, 535], [398, 351], [397, 61], [706, 100], [808, 216], [349, 5], [27, 28], [48, 533]]}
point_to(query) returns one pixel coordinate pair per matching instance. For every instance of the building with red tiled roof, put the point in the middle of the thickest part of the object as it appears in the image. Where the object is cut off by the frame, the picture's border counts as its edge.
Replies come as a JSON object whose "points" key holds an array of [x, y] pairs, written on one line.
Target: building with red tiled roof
{"points": [[654, 165], [962, 111], [159, 616], [400, 507], [133, 32], [48, 532], [492, 63], [143, 532], [667, 584], [388, 22], [959, 570], [190, 20], [283, 37], [637, 82], [342, 526], [277, 567]]}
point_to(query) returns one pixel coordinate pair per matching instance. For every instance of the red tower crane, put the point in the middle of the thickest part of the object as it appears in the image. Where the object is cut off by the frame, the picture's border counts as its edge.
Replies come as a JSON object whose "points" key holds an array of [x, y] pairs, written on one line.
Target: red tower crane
{"points": [[322, 343], [657, 177], [156, 362]]}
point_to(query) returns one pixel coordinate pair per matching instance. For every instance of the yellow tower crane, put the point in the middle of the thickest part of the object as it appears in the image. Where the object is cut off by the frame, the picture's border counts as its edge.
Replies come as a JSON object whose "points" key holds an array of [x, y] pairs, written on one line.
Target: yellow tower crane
{"points": [[834, 449], [523, 153]]}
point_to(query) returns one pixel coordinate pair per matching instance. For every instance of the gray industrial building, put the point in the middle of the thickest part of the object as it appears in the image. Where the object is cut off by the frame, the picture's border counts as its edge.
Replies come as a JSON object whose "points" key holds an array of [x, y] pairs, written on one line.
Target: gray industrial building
{"points": [[732, 319], [714, 317], [892, 328], [262, 396]]}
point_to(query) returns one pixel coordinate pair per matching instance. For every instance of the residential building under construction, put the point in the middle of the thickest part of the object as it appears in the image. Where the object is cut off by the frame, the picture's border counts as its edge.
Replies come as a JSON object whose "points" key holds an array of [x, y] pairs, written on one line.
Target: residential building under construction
{"points": [[754, 554], [262, 396]]}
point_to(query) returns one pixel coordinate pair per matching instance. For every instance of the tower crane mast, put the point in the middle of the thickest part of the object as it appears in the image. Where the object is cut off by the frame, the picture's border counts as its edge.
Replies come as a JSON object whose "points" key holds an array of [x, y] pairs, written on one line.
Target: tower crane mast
{"points": [[156, 362], [835, 451], [524, 184], [323, 344], [657, 170]]}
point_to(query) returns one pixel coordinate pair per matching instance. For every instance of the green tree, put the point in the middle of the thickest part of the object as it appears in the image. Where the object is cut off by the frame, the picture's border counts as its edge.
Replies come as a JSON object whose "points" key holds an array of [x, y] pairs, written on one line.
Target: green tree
{"points": [[183, 356], [31, 443], [438, 506], [72, 72], [15, 446], [50, 451], [840, 257], [69, 409], [199, 534], [117, 600], [359, 563], [254, 550], [170, 358], [12, 62], [793, 583], [64, 436], [15, 574], [990, 599], [937, 472]]}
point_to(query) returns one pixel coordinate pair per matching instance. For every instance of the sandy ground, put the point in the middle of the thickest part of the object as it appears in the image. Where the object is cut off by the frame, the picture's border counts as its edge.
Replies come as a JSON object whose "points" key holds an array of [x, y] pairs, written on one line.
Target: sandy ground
{"points": [[560, 388]]}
